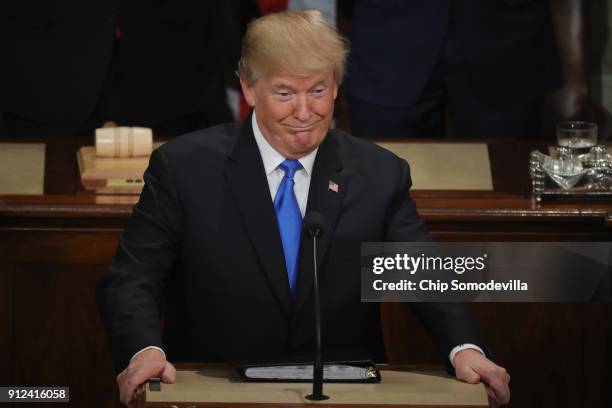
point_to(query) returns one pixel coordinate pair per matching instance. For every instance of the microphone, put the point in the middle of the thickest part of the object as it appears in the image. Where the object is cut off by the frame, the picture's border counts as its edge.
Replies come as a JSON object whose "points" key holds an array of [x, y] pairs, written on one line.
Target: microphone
{"points": [[314, 224], [313, 227]]}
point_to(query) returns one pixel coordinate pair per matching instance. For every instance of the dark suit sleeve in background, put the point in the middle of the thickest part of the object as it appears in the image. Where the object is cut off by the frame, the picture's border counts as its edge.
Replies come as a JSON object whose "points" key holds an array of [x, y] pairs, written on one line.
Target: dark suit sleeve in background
{"points": [[130, 296]]}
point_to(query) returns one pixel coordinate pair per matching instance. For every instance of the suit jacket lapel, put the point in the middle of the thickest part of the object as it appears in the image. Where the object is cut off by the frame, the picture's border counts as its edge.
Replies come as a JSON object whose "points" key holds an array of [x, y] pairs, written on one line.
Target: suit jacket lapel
{"points": [[247, 180], [327, 170]]}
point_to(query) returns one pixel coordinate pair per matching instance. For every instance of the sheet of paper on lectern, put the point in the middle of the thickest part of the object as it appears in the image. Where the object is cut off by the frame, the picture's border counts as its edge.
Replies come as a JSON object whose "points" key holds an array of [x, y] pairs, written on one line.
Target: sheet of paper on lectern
{"points": [[22, 168], [338, 372], [446, 166]]}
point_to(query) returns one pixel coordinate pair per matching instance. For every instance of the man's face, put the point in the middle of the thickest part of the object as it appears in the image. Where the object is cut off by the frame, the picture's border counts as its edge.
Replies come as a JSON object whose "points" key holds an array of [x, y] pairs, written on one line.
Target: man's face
{"points": [[293, 112]]}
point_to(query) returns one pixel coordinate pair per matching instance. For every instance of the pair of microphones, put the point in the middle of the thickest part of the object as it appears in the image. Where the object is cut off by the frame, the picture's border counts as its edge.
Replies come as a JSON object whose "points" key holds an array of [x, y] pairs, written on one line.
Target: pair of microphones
{"points": [[313, 227]]}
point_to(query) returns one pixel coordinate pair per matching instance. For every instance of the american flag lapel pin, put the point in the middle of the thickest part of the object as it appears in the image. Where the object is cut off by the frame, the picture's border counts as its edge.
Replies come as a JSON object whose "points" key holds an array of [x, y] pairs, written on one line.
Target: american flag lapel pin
{"points": [[333, 186]]}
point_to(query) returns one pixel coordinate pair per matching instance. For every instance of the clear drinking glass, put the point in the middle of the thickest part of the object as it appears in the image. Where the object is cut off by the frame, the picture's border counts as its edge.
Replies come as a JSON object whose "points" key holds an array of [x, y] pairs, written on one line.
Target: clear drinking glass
{"points": [[578, 136]]}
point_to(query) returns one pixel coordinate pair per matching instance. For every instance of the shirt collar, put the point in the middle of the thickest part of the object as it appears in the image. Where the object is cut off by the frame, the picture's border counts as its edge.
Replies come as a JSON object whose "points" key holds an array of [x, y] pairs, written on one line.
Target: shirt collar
{"points": [[271, 158]]}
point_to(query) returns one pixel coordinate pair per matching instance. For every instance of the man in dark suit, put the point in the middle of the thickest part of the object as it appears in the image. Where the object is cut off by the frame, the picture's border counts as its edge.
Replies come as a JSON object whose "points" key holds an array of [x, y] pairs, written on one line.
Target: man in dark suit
{"points": [[216, 232], [68, 66], [489, 63]]}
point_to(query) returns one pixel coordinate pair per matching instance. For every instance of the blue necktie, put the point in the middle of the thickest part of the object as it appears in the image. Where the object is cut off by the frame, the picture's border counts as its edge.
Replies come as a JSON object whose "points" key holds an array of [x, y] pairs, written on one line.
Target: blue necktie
{"points": [[289, 219]]}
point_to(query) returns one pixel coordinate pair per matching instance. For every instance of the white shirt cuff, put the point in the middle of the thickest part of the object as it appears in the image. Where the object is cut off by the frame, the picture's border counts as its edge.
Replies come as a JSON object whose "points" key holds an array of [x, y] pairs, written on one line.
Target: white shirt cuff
{"points": [[460, 347], [148, 348]]}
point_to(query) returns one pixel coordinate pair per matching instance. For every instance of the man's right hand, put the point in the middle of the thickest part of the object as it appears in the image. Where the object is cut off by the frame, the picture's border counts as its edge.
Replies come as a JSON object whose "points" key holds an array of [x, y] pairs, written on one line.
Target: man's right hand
{"points": [[148, 364]]}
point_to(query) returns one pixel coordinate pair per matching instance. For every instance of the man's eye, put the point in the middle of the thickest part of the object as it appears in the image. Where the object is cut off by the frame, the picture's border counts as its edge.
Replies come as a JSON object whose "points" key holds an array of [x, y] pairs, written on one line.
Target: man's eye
{"points": [[318, 91], [283, 94]]}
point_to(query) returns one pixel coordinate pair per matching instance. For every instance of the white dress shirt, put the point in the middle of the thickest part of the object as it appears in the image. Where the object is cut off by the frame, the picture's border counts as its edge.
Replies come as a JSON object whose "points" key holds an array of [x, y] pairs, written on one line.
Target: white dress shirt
{"points": [[272, 159]]}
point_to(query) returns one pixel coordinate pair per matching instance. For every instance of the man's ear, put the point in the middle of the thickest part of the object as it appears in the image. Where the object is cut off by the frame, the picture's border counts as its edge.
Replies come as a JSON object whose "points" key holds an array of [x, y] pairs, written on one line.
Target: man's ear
{"points": [[335, 90], [248, 90]]}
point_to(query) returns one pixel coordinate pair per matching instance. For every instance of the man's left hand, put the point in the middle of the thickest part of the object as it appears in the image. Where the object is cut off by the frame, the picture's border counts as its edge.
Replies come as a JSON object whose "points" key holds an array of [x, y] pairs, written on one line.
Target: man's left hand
{"points": [[472, 367]]}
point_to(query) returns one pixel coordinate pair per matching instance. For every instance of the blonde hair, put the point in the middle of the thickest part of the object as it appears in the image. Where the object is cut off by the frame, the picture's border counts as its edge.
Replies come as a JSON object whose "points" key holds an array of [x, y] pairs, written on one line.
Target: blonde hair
{"points": [[292, 42]]}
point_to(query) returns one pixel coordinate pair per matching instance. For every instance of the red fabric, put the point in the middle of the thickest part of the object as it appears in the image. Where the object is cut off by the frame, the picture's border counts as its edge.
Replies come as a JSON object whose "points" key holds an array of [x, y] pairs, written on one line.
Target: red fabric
{"points": [[245, 108], [118, 32], [272, 6]]}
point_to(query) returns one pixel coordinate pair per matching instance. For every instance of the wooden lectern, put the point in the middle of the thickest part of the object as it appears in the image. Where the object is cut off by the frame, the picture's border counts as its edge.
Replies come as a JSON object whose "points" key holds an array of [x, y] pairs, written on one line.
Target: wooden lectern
{"points": [[214, 386]]}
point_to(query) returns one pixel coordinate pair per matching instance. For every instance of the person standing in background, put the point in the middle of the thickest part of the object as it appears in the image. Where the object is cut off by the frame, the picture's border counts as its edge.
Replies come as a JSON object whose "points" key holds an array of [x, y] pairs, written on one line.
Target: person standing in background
{"points": [[488, 62], [70, 66]]}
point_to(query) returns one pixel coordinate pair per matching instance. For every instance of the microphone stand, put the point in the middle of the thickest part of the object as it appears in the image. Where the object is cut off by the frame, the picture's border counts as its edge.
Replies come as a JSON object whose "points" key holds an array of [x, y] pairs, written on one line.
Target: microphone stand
{"points": [[317, 371]]}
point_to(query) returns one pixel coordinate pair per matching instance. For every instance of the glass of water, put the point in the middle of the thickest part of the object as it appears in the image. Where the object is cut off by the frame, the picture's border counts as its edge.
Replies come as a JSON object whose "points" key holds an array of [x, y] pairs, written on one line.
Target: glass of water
{"points": [[578, 136]]}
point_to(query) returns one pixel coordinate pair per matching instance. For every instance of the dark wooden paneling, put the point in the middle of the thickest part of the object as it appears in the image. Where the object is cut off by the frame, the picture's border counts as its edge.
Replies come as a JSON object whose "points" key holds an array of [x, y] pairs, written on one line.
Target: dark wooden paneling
{"points": [[544, 347], [6, 309], [539, 344], [61, 170], [59, 338], [66, 247], [597, 351]]}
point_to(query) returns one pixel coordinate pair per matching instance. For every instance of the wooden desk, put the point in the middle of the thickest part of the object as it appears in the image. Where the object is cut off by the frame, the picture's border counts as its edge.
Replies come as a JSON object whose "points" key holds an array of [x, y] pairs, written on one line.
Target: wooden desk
{"points": [[400, 388], [54, 246]]}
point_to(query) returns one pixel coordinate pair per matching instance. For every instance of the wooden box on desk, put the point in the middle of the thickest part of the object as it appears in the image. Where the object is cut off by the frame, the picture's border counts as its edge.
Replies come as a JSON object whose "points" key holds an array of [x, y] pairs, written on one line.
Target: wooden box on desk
{"points": [[111, 175], [401, 387]]}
